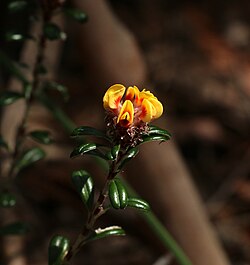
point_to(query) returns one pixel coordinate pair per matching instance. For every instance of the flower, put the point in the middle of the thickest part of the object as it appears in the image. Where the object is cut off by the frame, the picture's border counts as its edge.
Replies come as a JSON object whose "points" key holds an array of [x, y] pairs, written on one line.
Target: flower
{"points": [[131, 107], [129, 111]]}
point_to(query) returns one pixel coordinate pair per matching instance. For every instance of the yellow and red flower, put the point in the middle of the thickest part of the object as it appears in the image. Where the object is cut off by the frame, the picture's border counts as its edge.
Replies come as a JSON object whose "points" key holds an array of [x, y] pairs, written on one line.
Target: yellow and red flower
{"points": [[131, 107]]}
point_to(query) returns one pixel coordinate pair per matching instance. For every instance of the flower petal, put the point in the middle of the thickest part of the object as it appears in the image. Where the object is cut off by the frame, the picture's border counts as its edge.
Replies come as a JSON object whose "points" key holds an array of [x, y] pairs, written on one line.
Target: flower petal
{"points": [[126, 115], [147, 111], [158, 108], [132, 93], [113, 96]]}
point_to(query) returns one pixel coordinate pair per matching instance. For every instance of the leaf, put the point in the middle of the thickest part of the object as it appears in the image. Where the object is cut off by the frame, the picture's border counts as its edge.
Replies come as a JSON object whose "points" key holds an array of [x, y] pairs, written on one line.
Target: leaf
{"points": [[154, 130], [7, 200], [76, 14], [83, 149], [42, 137], [86, 130], [138, 204], [29, 157], [131, 153], [17, 36], [9, 97], [12, 68], [58, 87], [105, 232], [17, 228], [16, 6], [58, 249], [156, 137], [115, 151], [3, 144], [53, 32], [117, 194], [84, 185]]}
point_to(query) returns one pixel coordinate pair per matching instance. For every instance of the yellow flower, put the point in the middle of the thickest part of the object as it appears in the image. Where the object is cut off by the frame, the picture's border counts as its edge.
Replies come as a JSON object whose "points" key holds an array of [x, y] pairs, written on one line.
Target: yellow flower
{"points": [[131, 106]]}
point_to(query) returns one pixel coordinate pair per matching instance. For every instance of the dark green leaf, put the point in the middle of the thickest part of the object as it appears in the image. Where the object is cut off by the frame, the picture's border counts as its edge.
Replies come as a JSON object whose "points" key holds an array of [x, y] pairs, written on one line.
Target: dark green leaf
{"points": [[42, 137], [156, 137], [17, 228], [84, 185], [27, 90], [154, 130], [86, 130], [105, 232], [58, 87], [115, 151], [3, 144], [76, 14], [117, 194], [9, 97], [7, 200], [8, 64], [139, 204], [17, 36], [131, 153], [30, 156], [83, 149], [58, 249], [16, 6], [53, 32]]}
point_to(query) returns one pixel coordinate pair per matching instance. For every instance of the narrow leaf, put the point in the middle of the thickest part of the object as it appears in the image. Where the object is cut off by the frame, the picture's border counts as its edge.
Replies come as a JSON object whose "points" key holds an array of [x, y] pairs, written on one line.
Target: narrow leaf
{"points": [[30, 156], [16, 6], [7, 200], [84, 185], [86, 130], [131, 153], [17, 36], [58, 87], [42, 137], [154, 137], [76, 14], [17, 228], [3, 144], [53, 32], [58, 249], [154, 130], [9, 97], [83, 149], [105, 232], [115, 151], [139, 204], [118, 195]]}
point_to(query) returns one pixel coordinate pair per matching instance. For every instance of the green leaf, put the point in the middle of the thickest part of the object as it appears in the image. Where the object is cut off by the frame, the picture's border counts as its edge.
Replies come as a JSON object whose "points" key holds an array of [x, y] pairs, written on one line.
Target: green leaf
{"points": [[86, 130], [154, 137], [138, 204], [115, 151], [27, 90], [29, 157], [16, 6], [17, 228], [117, 194], [17, 36], [105, 232], [7, 200], [53, 32], [83, 149], [131, 153], [84, 185], [8, 64], [42, 137], [76, 14], [3, 144], [9, 97], [58, 249], [58, 87], [156, 130]]}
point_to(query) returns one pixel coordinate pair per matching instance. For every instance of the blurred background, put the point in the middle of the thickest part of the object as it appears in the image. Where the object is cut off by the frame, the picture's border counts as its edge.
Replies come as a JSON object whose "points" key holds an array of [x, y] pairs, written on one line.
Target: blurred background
{"points": [[196, 56]]}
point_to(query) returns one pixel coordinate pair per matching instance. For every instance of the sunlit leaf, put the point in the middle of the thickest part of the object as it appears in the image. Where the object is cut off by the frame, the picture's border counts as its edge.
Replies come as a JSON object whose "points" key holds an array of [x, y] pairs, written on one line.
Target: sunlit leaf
{"points": [[117, 194], [58, 249], [84, 185], [42, 137], [29, 157], [9, 97], [105, 232], [7, 200], [138, 204], [53, 32], [86, 130], [17, 228], [76, 14]]}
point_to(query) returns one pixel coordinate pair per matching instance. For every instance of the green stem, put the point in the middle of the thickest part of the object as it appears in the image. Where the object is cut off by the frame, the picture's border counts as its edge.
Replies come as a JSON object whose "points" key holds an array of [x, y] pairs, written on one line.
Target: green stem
{"points": [[149, 217]]}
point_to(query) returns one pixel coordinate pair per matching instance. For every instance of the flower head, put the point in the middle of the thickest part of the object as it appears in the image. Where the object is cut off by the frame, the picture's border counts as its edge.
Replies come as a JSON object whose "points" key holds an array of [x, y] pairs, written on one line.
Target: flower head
{"points": [[130, 110]]}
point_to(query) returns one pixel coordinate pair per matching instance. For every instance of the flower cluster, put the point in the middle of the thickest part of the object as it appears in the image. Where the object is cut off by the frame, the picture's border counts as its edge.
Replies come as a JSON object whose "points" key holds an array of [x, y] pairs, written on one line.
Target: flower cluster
{"points": [[130, 110]]}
